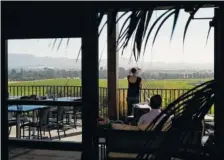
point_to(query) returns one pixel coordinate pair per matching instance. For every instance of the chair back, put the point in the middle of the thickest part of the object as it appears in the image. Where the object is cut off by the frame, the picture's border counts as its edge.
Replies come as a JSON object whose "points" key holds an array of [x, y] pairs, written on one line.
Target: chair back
{"points": [[43, 116], [126, 141], [60, 113]]}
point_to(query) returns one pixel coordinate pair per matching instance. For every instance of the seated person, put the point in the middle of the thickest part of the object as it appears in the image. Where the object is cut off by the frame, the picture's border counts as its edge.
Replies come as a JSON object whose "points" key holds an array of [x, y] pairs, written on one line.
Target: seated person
{"points": [[155, 104], [144, 121]]}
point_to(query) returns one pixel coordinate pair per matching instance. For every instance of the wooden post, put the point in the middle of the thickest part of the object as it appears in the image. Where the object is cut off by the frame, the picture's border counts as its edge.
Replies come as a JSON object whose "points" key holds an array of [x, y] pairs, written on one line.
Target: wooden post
{"points": [[90, 87], [4, 91], [112, 65], [218, 75]]}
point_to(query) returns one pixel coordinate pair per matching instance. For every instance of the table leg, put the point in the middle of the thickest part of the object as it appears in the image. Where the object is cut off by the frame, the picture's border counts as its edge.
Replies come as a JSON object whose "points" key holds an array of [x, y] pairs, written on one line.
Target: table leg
{"points": [[74, 114], [18, 125], [34, 120]]}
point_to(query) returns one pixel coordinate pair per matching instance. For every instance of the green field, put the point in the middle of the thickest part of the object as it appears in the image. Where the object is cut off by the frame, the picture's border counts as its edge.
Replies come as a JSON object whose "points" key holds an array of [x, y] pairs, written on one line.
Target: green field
{"points": [[168, 89], [149, 84]]}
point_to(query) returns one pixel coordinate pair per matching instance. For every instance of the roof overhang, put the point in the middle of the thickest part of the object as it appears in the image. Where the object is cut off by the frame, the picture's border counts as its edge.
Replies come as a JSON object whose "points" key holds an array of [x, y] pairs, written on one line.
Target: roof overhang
{"points": [[24, 20], [35, 20]]}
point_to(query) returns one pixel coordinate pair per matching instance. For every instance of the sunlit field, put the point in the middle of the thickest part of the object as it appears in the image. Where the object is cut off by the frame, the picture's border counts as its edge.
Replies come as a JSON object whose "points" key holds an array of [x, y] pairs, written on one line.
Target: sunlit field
{"points": [[168, 89]]}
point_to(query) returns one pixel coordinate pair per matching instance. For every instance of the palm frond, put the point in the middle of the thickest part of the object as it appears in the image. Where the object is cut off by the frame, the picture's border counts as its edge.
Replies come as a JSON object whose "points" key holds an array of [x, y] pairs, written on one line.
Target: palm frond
{"points": [[189, 20], [102, 28], [137, 25], [161, 24], [59, 43], [148, 18], [67, 42], [153, 25], [79, 53], [54, 43], [122, 33], [176, 15], [210, 27], [140, 30]]}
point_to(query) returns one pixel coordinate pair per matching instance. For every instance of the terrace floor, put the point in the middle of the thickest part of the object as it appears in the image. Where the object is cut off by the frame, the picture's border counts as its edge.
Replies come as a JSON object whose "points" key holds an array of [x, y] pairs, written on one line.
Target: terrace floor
{"points": [[72, 135], [17, 153]]}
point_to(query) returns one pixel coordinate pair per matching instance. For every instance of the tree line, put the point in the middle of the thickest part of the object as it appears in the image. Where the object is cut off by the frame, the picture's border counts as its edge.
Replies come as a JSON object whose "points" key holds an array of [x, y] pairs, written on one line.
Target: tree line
{"points": [[49, 73]]}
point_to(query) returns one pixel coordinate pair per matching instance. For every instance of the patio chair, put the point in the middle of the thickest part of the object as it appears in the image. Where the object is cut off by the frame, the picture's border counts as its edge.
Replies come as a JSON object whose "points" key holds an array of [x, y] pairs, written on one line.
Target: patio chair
{"points": [[125, 145], [58, 121], [74, 113], [12, 119], [41, 125]]}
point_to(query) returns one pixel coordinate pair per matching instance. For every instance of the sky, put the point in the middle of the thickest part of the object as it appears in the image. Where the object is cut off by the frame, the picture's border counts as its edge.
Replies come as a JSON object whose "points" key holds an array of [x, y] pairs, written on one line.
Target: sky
{"points": [[195, 49]]}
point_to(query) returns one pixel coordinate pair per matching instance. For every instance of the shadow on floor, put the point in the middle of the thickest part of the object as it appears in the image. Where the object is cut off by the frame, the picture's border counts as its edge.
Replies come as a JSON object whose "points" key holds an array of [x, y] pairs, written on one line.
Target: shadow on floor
{"points": [[17, 153]]}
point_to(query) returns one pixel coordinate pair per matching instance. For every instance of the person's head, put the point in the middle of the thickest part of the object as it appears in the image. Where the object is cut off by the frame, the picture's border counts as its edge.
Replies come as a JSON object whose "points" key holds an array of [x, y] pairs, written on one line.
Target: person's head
{"points": [[156, 102], [134, 71]]}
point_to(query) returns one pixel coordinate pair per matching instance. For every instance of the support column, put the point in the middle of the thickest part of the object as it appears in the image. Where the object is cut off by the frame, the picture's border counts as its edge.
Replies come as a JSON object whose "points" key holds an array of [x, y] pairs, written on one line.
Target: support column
{"points": [[90, 87], [112, 66], [218, 75]]}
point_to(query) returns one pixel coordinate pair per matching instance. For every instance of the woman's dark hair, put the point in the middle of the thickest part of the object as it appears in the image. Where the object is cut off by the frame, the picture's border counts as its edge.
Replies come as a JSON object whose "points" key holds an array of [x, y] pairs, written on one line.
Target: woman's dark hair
{"points": [[155, 101], [133, 70]]}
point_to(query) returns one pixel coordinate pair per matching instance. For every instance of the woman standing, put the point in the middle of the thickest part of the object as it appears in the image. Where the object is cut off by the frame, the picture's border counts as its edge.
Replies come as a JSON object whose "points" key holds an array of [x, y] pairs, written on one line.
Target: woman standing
{"points": [[134, 86]]}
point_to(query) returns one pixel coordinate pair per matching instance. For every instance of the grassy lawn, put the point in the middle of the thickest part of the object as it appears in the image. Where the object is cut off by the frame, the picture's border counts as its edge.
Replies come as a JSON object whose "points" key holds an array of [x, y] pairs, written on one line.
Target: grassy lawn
{"points": [[149, 84]]}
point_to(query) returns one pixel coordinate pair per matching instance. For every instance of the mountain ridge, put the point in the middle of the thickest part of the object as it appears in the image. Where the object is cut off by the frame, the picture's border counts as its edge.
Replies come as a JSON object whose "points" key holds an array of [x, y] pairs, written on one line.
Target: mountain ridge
{"points": [[31, 61]]}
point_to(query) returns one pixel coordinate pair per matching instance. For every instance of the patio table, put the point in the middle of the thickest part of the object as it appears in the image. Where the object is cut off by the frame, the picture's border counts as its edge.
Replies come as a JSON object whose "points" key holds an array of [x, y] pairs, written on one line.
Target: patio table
{"points": [[18, 109], [14, 97], [69, 99]]}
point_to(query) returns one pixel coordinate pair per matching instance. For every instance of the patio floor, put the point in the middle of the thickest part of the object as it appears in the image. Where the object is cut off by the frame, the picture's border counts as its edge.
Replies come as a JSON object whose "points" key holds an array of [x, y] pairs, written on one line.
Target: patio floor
{"points": [[16, 153], [73, 134]]}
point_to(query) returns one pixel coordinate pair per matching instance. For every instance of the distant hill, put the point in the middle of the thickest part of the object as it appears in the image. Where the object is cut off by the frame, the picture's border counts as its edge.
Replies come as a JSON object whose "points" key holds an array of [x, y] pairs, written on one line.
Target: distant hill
{"points": [[30, 61]]}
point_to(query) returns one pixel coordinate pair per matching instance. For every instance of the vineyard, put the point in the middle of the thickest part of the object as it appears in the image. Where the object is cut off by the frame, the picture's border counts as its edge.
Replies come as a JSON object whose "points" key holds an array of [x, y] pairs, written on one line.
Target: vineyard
{"points": [[168, 89]]}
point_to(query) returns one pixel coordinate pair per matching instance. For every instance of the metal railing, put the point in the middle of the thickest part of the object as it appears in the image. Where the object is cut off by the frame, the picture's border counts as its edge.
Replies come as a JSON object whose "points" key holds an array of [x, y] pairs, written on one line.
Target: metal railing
{"points": [[168, 95]]}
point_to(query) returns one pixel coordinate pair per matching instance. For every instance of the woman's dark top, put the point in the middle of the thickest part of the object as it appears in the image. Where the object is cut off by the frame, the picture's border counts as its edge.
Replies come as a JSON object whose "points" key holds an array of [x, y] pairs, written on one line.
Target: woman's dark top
{"points": [[133, 88]]}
